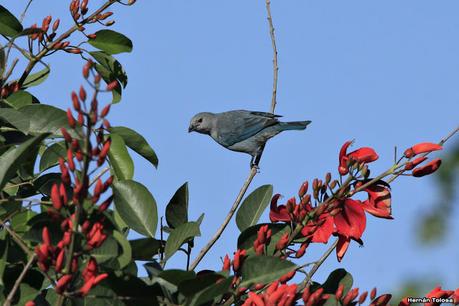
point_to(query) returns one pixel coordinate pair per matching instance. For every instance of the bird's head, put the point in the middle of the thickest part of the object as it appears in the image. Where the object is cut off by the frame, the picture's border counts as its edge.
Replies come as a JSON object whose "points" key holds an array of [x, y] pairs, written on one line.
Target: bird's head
{"points": [[201, 123]]}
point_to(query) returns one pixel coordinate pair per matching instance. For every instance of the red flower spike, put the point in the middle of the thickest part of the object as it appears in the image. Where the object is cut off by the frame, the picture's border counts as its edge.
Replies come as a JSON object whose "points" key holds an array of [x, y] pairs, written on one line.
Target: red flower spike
{"points": [[106, 124], [60, 261], [84, 290], [381, 300], [105, 111], [428, 168], [66, 135], [30, 303], [82, 94], [303, 189], [226, 263], [56, 197], [56, 25], [237, 260], [350, 296], [373, 293], [412, 164], [45, 236], [339, 292], [65, 177], [379, 201], [272, 288], [103, 207], [80, 119], [76, 102], [423, 147], [259, 250], [100, 278], [306, 294], [363, 297], [70, 160], [278, 213], [301, 250], [63, 282], [112, 85], [286, 277], [283, 242], [63, 194]]}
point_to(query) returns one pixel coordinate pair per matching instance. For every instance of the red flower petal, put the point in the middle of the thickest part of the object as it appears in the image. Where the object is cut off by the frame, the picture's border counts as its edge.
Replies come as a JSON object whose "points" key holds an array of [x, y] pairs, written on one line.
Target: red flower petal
{"points": [[324, 231], [364, 155], [341, 247], [423, 147], [379, 201], [278, 213], [343, 158], [351, 221], [428, 168]]}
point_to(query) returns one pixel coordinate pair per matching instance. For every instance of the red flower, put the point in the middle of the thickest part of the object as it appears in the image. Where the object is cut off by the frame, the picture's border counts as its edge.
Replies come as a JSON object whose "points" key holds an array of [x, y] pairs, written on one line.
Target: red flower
{"points": [[379, 200], [278, 213], [350, 223], [361, 155], [321, 231], [438, 293], [428, 168], [423, 147]]}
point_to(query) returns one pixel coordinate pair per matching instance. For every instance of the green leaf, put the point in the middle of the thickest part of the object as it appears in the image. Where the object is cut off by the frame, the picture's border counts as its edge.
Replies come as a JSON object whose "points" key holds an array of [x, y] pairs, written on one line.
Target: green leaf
{"points": [[37, 78], [176, 276], [264, 269], [136, 206], [179, 236], [332, 301], [9, 25], [177, 209], [247, 237], [146, 248], [20, 98], [15, 118], [109, 67], [15, 157], [336, 278], [137, 143], [120, 160], [253, 206], [211, 292], [107, 251], [126, 253], [111, 42], [2, 62], [50, 156]]}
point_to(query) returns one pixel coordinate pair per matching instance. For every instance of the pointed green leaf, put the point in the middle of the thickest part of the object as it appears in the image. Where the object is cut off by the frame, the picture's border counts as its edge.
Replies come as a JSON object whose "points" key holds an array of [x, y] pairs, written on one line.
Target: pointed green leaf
{"points": [[37, 78], [20, 98], [137, 143], [9, 25], [126, 253], [211, 292], [13, 158], [264, 269], [146, 248], [253, 206], [136, 206], [50, 156], [336, 278], [109, 67], [177, 209], [120, 160], [111, 42], [179, 236]]}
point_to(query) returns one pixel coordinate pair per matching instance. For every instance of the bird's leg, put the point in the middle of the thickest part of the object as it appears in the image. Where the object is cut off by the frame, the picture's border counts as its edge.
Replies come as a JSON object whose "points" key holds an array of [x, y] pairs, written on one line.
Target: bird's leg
{"points": [[256, 159]]}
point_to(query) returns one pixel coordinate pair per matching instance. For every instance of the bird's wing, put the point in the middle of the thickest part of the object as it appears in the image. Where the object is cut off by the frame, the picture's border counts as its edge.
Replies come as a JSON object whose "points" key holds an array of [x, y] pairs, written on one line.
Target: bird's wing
{"points": [[236, 126]]}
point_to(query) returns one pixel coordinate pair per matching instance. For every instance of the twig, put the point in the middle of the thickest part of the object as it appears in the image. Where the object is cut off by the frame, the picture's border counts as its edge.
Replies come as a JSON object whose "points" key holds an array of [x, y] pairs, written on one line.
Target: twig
{"points": [[63, 36], [16, 238], [318, 264], [10, 297], [275, 67], [99, 175], [204, 250]]}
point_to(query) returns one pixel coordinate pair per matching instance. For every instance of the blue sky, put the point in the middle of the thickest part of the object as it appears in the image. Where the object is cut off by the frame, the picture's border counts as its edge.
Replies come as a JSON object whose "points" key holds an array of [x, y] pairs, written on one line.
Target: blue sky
{"points": [[383, 73]]}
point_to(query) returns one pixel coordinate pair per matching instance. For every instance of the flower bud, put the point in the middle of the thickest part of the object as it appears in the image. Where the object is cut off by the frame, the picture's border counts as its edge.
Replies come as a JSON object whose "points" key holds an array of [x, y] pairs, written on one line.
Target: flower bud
{"points": [[373, 293], [427, 169], [62, 283], [303, 189], [105, 111], [56, 24], [82, 94], [55, 197]]}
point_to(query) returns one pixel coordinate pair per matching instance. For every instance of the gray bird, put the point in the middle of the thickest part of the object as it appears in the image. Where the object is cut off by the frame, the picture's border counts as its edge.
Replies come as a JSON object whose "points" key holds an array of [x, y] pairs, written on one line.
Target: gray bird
{"points": [[242, 130]]}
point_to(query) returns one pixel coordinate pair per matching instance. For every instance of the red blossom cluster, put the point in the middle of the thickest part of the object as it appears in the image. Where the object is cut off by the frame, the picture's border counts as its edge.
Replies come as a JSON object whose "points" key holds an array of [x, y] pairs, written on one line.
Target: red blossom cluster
{"points": [[74, 206]]}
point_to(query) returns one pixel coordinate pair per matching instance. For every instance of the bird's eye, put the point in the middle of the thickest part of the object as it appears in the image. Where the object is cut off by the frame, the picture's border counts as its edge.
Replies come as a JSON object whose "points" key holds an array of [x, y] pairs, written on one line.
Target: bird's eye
{"points": [[199, 120]]}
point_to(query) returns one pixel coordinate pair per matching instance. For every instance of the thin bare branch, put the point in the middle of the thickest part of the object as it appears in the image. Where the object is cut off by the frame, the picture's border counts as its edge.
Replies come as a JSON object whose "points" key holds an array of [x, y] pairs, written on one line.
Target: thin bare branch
{"points": [[204, 250], [275, 66], [15, 288]]}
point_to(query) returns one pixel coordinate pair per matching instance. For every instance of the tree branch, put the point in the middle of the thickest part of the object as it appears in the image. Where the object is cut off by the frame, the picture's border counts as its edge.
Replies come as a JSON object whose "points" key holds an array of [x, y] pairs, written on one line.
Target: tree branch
{"points": [[275, 67], [10, 297], [204, 250]]}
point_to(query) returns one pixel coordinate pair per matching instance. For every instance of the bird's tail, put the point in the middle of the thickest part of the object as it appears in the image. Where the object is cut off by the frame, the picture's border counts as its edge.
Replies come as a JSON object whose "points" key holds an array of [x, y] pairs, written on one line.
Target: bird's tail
{"points": [[294, 125]]}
